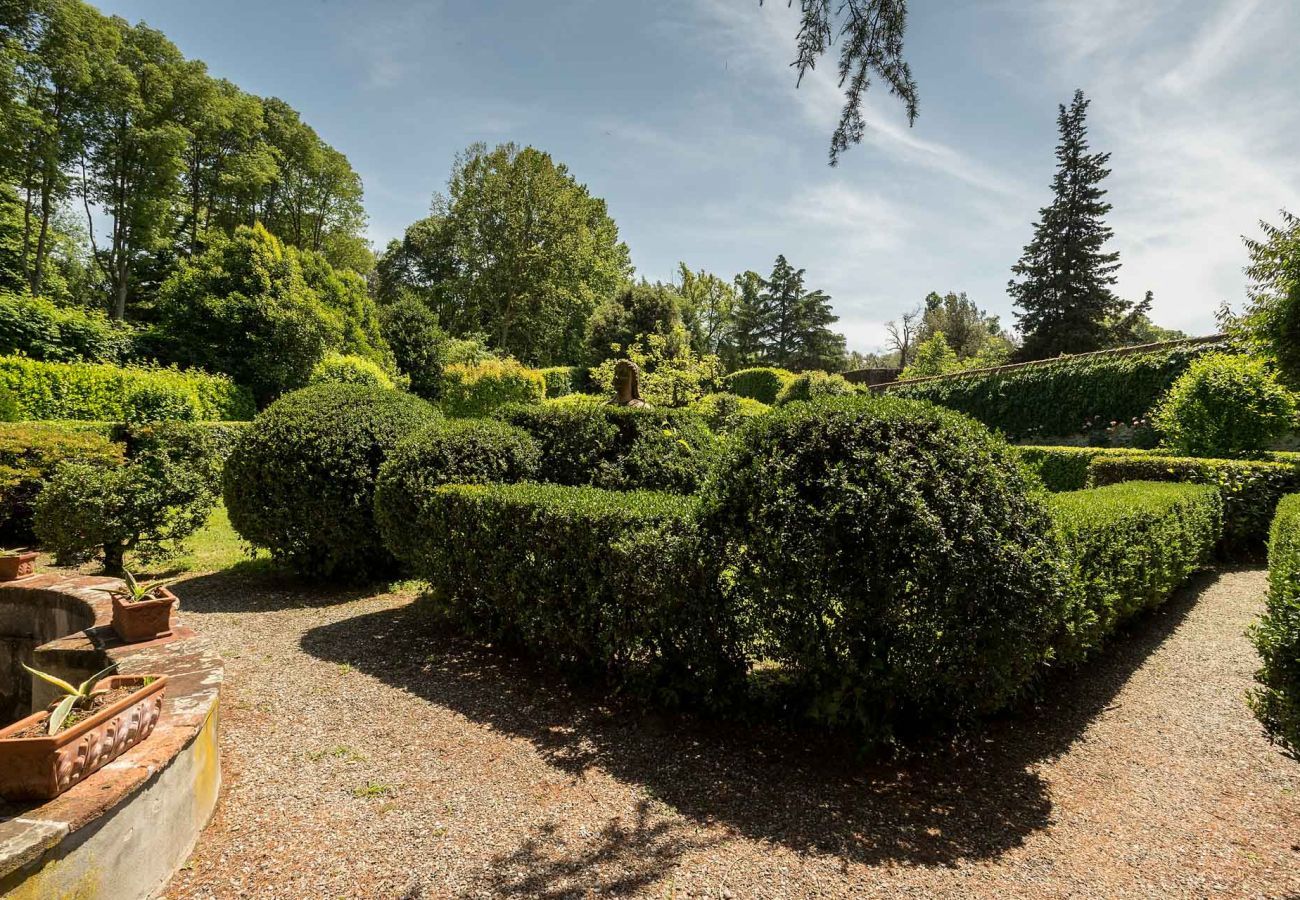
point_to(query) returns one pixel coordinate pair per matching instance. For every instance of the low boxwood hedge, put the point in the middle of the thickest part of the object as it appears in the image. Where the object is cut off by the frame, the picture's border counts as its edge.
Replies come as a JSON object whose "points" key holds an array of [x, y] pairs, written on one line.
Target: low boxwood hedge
{"points": [[29, 454], [618, 584], [1251, 489], [618, 448], [1063, 468], [1276, 702], [461, 451], [1128, 546], [301, 479]]}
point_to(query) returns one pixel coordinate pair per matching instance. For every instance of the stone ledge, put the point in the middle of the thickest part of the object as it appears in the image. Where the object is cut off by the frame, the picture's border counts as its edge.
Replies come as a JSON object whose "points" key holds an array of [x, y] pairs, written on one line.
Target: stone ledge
{"points": [[49, 848]]}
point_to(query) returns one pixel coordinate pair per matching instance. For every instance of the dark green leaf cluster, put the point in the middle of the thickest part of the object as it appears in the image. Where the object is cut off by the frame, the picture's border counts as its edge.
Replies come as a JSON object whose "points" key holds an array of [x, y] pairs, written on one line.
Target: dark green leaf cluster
{"points": [[1276, 702], [29, 454], [37, 328], [561, 381], [1056, 398], [301, 480], [1062, 468], [1251, 489], [901, 561], [618, 448], [454, 451], [1224, 405], [1128, 546], [762, 383], [618, 585], [100, 392]]}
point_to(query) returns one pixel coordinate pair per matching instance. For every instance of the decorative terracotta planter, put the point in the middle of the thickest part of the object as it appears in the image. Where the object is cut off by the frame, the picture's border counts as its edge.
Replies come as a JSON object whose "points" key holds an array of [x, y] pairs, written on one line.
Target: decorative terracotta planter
{"points": [[41, 768], [19, 565], [144, 621]]}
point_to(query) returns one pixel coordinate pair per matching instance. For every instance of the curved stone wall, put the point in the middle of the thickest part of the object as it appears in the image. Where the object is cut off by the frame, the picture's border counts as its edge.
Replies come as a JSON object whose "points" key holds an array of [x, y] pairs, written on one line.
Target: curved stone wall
{"points": [[123, 831]]}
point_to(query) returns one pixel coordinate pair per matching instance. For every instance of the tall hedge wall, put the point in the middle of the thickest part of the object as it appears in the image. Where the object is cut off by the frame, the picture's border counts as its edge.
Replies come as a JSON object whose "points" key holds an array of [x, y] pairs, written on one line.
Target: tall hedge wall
{"points": [[98, 391], [1056, 398], [1276, 701]]}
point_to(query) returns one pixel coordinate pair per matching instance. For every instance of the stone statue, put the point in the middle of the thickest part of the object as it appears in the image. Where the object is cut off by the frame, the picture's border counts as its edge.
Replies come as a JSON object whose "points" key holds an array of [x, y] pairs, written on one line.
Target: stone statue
{"points": [[627, 384]]}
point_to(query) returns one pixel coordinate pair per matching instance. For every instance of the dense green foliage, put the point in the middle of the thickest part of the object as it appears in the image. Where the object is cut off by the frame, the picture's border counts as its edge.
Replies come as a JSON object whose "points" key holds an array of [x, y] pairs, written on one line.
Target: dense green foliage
{"points": [[1061, 468], [516, 249], [1276, 701], [418, 343], [162, 494], [618, 584], [300, 481], [245, 308], [724, 413], [618, 448], [561, 381], [160, 403], [631, 315], [29, 455], [455, 451], [472, 390], [36, 327], [1272, 323], [781, 323], [901, 561], [1065, 277], [1251, 489], [1224, 405], [1128, 546], [99, 392], [813, 385], [344, 368], [1057, 397], [762, 383]]}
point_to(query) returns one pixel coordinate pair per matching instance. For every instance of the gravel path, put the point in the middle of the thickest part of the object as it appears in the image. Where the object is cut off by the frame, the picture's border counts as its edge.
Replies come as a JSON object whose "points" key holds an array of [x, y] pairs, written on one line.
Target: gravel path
{"points": [[370, 753]]}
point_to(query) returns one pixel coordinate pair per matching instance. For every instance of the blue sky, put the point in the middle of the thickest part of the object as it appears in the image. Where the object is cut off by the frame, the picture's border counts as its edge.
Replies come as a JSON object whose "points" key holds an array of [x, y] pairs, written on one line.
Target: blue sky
{"points": [[683, 115]]}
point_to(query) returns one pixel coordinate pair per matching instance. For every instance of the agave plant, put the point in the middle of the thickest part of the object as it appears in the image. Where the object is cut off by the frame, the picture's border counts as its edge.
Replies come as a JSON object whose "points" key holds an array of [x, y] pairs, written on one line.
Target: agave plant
{"points": [[137, 592], [79, 697]]}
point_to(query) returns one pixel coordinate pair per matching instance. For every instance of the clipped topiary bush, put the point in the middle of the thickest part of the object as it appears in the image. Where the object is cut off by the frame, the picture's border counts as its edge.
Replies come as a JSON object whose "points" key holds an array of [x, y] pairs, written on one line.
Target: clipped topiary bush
{"points": [[1063, 468], [1276, 702], [1224, 406], [724, 413], [472, 390], [901, 560], [762, 383], [460, 451], [160, 403], [618, 448], [812, 385], [301, 480], [618, 585], [1128, 546], [342, 368], [30, 452]]}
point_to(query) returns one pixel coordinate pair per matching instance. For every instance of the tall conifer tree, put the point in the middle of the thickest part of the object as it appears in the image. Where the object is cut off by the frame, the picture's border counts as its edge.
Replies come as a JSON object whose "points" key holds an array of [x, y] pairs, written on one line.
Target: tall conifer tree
{"points": [[1063, 281]]}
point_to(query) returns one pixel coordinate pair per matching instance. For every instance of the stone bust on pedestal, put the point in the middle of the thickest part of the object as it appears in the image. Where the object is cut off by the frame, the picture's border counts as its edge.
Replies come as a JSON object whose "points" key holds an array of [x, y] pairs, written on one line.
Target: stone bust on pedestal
{"points": [[627, 384]]}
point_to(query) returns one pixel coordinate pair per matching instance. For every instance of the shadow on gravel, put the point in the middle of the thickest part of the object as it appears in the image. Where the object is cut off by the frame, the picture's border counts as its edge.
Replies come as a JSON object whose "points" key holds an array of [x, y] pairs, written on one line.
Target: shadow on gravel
{"points": [[798, 789], [257, 586]]}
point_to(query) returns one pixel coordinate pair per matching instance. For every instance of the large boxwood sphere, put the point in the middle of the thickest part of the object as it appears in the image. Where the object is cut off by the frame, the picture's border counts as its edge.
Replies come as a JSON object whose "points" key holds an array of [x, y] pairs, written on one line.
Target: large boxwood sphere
{"points": [[454, 451], [898, 559], [301, 480]]}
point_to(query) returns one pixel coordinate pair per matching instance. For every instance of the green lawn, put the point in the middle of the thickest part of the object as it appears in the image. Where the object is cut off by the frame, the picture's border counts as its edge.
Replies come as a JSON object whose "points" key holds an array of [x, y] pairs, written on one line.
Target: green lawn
{"points": [[214, 547]]}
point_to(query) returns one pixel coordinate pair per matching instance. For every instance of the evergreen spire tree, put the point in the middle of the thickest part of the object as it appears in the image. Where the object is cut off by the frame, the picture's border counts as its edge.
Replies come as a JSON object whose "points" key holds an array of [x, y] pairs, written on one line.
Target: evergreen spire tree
{"points": [[751, 323], [815, 345], [1063, 281], [782, 299]]}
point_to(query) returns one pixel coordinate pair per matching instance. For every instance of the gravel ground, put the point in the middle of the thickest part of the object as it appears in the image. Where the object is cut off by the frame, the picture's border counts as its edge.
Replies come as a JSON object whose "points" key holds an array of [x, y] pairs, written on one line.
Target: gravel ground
{"points": [[370, 753]]}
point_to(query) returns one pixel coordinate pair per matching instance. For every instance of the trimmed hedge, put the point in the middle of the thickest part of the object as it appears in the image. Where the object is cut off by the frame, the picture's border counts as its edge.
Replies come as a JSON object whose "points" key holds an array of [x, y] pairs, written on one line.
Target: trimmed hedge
{"points": [[346, 368], [563, 380], [473, 390], [724, 413], [29, 454], [616, 584], [1128, 546], [1058, 397], [1276, 702], [1063, 468], [812, 385], [900, 559], [39, 329], [461, 451], [1251, 489], [301, 480], [762, 383], [618, 448], [95, 391]]}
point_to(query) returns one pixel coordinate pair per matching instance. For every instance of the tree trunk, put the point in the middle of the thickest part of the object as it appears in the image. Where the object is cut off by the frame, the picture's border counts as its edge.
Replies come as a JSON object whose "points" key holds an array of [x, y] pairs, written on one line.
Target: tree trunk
{"points": [[114, 555]]}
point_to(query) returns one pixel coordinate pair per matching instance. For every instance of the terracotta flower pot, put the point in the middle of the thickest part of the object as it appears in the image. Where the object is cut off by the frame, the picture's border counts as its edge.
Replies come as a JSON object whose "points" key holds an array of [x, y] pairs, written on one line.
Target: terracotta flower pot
{"points": [[18, 565], [146, 620], [40, 768]]}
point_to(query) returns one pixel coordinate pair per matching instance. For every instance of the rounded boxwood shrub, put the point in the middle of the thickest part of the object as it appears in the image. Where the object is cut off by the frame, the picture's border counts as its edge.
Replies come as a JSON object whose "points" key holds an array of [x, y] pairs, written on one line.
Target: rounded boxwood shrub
{"points": [[1225, 405], [761, 383], [343, 368], [455, 451], [811, 385], [618, 448], [901, 561], [301, 480]]}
